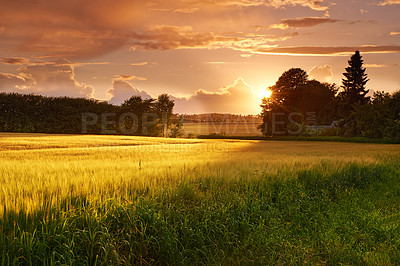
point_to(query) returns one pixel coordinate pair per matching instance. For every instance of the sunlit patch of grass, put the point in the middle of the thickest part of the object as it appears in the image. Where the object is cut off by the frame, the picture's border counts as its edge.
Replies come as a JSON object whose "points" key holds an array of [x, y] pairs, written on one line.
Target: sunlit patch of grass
{"points": [[131, 200]]}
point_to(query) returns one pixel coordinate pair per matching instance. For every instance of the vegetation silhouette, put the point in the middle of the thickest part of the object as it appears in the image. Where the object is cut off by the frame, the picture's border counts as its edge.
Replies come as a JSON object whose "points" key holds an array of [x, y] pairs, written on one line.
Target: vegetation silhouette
{"points": [[298, 104], [63, 115], [353, 85], [294, 96]]}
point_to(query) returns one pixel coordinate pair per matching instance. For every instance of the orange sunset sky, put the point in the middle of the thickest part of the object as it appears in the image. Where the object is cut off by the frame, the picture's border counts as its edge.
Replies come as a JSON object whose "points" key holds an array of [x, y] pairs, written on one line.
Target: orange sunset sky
{"points": [[210, 56]]}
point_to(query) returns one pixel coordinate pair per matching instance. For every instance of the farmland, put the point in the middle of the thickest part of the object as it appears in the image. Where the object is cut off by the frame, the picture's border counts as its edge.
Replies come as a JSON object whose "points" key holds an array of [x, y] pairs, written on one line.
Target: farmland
{"points": [[115, 200], [225, 128]]}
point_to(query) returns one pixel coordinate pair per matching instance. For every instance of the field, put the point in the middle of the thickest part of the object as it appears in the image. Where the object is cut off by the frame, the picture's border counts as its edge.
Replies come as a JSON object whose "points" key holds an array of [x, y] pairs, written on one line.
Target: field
{"points": [[117, 200], [226, 128]]}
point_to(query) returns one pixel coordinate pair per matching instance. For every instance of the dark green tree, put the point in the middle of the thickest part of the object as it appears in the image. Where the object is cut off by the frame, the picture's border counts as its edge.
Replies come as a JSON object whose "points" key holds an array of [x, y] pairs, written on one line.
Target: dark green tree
{"points": [[137, 105], [285, 88], [379, 118], [163, 108], [40, 114], [142, 109], [266, 115], [353, 95], [353, 85], [296, 100], [177, 128], [317, 98], [282, 101]]}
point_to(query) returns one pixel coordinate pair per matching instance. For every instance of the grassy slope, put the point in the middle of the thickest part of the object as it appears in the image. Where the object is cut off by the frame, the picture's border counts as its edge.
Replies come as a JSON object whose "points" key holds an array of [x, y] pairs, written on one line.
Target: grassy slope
{"points": [[117, 200]]}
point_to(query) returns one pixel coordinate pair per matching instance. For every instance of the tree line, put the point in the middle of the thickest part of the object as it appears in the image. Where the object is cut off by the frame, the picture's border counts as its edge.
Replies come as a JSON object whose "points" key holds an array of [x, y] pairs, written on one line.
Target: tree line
{"points": [[301, 106], [64, 115], [298, 106]]}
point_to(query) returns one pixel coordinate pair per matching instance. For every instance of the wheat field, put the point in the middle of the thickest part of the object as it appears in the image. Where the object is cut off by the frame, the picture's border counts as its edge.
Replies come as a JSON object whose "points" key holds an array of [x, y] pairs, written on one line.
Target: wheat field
{"points": [[44, 166], [224, 128], [190, 184]]}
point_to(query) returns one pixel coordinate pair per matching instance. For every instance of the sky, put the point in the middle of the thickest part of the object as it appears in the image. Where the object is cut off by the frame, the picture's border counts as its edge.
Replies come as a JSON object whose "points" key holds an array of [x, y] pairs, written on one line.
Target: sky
{"points": [[209, 56]]}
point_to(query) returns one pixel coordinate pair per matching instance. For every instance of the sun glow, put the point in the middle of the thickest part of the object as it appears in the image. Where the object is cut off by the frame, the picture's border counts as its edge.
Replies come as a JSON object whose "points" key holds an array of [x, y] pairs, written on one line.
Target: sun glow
{"points": [[267, 93]]}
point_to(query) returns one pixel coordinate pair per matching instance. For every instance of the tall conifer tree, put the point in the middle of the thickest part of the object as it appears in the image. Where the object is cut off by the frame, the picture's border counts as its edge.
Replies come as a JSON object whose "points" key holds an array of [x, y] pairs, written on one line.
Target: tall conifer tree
{"points": [[353, 84]]}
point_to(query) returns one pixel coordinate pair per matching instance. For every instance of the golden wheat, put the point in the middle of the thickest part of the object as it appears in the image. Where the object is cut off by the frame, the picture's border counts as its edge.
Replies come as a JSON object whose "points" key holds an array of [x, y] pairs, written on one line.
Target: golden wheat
{"points": [[36, 167]]}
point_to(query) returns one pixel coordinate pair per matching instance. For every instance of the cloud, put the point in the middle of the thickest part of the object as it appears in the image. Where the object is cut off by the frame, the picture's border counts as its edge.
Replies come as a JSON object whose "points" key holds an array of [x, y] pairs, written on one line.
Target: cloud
{"points": [[55, 78], [216, 62], [165, 37], [246, 55], [187, 10], [77, 64], [361, 21], [91, 28], [14, 60], [379, 65], [72, 29], [140, 64], [389, 2], [12, 83], [321, 73], [123, 90], [313, 4], [328, 51], [237, 98], [77, 44], [129, 77], [190, 6], [225, 3], [302, 22]]}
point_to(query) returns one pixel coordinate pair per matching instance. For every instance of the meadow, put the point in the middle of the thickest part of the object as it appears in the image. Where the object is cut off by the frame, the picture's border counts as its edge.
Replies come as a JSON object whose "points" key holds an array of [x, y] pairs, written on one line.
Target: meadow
{"points": [[118, 200]]}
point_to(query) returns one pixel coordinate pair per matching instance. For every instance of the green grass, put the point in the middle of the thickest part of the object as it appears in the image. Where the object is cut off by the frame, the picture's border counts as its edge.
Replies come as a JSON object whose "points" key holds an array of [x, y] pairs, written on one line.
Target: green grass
{"points": [[113, 200]]}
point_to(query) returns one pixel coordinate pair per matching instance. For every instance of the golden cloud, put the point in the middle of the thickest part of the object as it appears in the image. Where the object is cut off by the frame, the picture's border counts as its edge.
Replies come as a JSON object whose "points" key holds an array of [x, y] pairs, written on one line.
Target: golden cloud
{"points": [[129, 77], [74, 44], [237, 98], [192, 6], [379, 65], [139, 64], [12, 83], [55, 78], [389, 2], [302, 22], [90, 28], [171, 37], [14, 60], [123, 90], [321, 73], [327, 51], [73, 29], [313, 4]]}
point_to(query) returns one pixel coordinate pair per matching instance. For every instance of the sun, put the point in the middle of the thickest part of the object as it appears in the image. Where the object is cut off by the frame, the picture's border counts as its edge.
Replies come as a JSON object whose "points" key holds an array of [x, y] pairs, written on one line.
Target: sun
{"points": [[267, 93]]}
